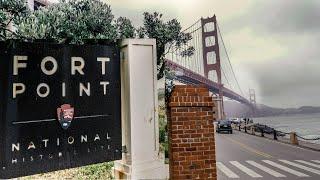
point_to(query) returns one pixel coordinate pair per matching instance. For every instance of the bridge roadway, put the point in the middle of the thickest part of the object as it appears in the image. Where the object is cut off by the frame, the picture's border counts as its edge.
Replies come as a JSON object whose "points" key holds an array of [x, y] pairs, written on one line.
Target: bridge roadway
{"points": [[187, 76], [244, 157]]}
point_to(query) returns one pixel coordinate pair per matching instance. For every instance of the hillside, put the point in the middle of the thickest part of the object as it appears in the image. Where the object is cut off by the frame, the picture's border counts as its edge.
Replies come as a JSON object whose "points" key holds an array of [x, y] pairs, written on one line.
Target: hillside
{"points": [[235, 109]]}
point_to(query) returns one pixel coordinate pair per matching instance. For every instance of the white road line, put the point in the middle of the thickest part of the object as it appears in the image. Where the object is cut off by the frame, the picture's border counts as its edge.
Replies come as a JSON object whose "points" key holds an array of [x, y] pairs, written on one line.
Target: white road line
{"points": [[226, 170], [301, 166], [297, 173], [266, 169], [245, 169], [316, 161], [309, 163]]}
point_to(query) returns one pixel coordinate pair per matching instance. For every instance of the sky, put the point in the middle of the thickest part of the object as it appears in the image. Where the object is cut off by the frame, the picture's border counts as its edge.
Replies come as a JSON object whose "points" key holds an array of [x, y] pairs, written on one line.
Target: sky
{"points": [[273, 45]]}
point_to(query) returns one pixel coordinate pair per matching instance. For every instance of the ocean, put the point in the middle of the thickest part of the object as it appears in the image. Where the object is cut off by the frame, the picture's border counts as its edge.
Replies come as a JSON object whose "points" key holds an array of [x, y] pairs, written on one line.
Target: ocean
{"points": [[305, 125]]}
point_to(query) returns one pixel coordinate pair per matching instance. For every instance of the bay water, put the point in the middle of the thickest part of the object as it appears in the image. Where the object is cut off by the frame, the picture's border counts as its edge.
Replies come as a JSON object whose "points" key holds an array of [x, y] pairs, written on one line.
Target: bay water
{"points": [[305, 125]]}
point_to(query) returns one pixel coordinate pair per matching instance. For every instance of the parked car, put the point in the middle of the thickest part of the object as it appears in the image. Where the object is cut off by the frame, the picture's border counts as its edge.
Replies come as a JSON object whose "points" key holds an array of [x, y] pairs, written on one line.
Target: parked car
{"points": [[224, 125], [266, 129], [236, 120]]}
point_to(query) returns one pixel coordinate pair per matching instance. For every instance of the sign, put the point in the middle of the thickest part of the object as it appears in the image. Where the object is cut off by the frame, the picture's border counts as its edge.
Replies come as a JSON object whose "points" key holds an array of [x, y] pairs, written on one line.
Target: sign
{"points": [[60, 106]]}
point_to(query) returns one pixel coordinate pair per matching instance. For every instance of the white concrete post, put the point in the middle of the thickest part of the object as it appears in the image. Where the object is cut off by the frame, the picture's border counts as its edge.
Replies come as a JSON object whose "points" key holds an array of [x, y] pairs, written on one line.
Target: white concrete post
{"points": [[140, 130]]}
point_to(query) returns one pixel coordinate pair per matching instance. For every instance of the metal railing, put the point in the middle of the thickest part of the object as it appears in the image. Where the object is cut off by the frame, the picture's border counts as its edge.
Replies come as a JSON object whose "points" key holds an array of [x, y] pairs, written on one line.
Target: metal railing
{"points": [[271, 133]]}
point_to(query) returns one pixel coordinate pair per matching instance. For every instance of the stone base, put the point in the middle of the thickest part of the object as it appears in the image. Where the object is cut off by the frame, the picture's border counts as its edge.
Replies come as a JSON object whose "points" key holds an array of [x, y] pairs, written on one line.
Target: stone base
{"points": [[147, 170]]}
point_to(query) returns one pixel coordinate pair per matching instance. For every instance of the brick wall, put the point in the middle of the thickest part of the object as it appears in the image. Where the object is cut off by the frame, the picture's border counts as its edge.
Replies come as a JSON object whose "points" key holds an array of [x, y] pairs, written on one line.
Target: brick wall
{"points": [[191, 133]]}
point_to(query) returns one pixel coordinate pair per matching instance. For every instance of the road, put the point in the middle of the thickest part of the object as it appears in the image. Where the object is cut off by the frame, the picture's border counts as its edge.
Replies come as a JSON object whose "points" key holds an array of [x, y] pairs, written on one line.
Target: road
{"points": [[242, 156]]}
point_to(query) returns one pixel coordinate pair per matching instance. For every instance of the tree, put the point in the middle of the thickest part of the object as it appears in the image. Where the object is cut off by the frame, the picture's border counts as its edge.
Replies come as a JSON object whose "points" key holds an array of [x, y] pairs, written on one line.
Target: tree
{"points": [[167, 34], [125, 28], [10, 10], [73, 21]]}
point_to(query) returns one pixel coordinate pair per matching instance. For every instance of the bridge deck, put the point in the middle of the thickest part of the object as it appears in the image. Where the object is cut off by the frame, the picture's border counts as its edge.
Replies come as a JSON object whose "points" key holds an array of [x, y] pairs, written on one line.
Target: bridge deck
{"points": [[189, 77]]}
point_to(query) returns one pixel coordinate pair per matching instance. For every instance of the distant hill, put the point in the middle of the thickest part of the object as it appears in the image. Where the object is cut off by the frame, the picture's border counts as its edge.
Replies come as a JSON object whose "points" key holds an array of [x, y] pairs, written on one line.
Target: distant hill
{"points": [[235, 109]]}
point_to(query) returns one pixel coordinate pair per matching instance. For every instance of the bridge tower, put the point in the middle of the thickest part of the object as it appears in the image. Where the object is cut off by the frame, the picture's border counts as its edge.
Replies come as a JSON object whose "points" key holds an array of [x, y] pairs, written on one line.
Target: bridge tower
{"points": [[212, 64], [252, 99]]}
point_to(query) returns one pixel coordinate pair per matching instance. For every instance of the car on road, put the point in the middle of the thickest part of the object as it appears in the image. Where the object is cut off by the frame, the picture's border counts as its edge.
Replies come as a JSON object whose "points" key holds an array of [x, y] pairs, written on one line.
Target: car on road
{"points": [[224, 125], [235, 120], [266, 129]]}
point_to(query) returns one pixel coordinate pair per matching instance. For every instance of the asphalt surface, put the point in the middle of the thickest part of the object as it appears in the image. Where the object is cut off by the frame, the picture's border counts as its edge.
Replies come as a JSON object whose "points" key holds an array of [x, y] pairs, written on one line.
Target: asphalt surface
{"points": [[244, 157]]}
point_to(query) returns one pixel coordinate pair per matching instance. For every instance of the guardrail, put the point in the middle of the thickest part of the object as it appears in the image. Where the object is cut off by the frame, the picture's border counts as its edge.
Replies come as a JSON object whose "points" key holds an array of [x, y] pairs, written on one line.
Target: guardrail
{"points": [[271, 133]]}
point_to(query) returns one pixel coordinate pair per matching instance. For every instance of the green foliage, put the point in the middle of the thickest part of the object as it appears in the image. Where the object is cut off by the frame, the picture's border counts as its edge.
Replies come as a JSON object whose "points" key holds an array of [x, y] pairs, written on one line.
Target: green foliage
{"points": [[76, 21], [96, 171], [3, 17], [163, 130], [73, 21], [10, 10], [168, 35], [124, 28], [14, 7]]}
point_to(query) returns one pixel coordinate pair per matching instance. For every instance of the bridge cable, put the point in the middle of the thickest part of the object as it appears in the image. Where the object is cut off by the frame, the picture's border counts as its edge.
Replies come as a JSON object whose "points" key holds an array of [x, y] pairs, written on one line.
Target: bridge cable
{"points": [[226, 78], [191, 25], [229, 59]]}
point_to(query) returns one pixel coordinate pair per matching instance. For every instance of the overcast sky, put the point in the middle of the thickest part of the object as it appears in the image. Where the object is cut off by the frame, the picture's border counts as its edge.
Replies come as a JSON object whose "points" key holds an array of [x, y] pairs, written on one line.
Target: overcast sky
{"points": [[273, 44]]}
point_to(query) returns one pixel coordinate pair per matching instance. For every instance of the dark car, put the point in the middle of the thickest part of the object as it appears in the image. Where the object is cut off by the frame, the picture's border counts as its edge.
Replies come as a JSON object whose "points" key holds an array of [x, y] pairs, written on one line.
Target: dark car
{"points": [[224, 125], [266, 129]]}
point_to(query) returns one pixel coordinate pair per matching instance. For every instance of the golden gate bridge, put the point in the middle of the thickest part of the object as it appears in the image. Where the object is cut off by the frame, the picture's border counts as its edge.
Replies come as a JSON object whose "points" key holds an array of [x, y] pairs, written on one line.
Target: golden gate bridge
{"points": [[210, 63]]}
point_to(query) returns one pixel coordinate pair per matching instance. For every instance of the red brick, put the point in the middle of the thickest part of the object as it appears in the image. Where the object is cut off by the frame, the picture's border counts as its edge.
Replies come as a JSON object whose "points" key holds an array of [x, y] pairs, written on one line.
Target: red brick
{"points": [[187, 145], [191, 138], [191, 148]]}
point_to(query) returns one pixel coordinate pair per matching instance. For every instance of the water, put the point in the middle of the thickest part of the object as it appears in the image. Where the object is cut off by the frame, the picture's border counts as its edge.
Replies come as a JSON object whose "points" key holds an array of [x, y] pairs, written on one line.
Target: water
{"points": [[305, 125]]}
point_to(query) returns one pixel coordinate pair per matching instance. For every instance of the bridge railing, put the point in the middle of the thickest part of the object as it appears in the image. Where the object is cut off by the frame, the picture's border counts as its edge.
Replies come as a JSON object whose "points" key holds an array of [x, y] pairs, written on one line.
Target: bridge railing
{"points": [[268, 132]]}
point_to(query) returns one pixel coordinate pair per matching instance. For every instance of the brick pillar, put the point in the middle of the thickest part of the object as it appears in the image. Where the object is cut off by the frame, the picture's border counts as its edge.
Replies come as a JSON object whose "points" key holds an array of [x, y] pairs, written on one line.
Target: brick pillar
{"points": [[191, 133]]}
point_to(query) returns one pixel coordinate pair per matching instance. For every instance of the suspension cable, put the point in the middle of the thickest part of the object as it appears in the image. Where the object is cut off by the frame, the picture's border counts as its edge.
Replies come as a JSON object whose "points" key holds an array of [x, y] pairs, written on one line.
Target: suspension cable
{"points": [[229, 59], [191, 25], [226, 78]]}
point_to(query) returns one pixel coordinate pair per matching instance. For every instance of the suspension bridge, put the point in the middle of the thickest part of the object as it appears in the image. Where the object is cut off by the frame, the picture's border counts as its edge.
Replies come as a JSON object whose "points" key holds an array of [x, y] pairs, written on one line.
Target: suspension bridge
{"points": [[210, 63], [239, 156]]}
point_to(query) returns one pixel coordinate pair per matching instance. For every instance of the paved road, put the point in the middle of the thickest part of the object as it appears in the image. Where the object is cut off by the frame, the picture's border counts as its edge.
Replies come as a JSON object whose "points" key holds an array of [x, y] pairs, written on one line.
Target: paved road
{"points": [[241, 156]]}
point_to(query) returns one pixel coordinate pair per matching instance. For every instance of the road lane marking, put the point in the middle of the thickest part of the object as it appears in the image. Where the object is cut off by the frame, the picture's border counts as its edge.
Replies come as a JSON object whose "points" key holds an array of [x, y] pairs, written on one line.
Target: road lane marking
{"points": [[308, 163], [301, 166], [226, 170], [316, 161], [265, 155], [245, 169], [297, 173], [266, 169]]}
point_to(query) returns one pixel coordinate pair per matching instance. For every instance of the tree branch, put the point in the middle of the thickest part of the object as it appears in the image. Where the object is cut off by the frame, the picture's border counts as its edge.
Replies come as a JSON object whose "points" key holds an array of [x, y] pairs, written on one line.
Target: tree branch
{"points": [[168, 49], [161, 70], [13, 33]]}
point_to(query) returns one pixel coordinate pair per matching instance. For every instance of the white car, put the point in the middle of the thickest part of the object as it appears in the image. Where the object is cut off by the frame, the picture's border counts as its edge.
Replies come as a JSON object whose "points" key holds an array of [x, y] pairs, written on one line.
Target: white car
{"points": [[236, 120]]}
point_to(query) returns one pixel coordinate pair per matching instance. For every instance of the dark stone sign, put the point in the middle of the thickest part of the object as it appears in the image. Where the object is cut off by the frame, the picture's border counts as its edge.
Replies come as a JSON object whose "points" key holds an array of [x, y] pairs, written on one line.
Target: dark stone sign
{"points": [[59, 106]]}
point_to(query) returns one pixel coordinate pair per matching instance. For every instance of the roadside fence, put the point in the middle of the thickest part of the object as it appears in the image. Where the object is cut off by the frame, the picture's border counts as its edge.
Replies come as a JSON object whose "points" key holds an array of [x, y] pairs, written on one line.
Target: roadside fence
{"points": [[268, 132]]}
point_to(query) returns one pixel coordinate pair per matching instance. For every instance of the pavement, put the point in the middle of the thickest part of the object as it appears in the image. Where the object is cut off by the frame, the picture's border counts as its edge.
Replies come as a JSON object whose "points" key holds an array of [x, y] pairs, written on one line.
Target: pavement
{"points": [[244, 157]]}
